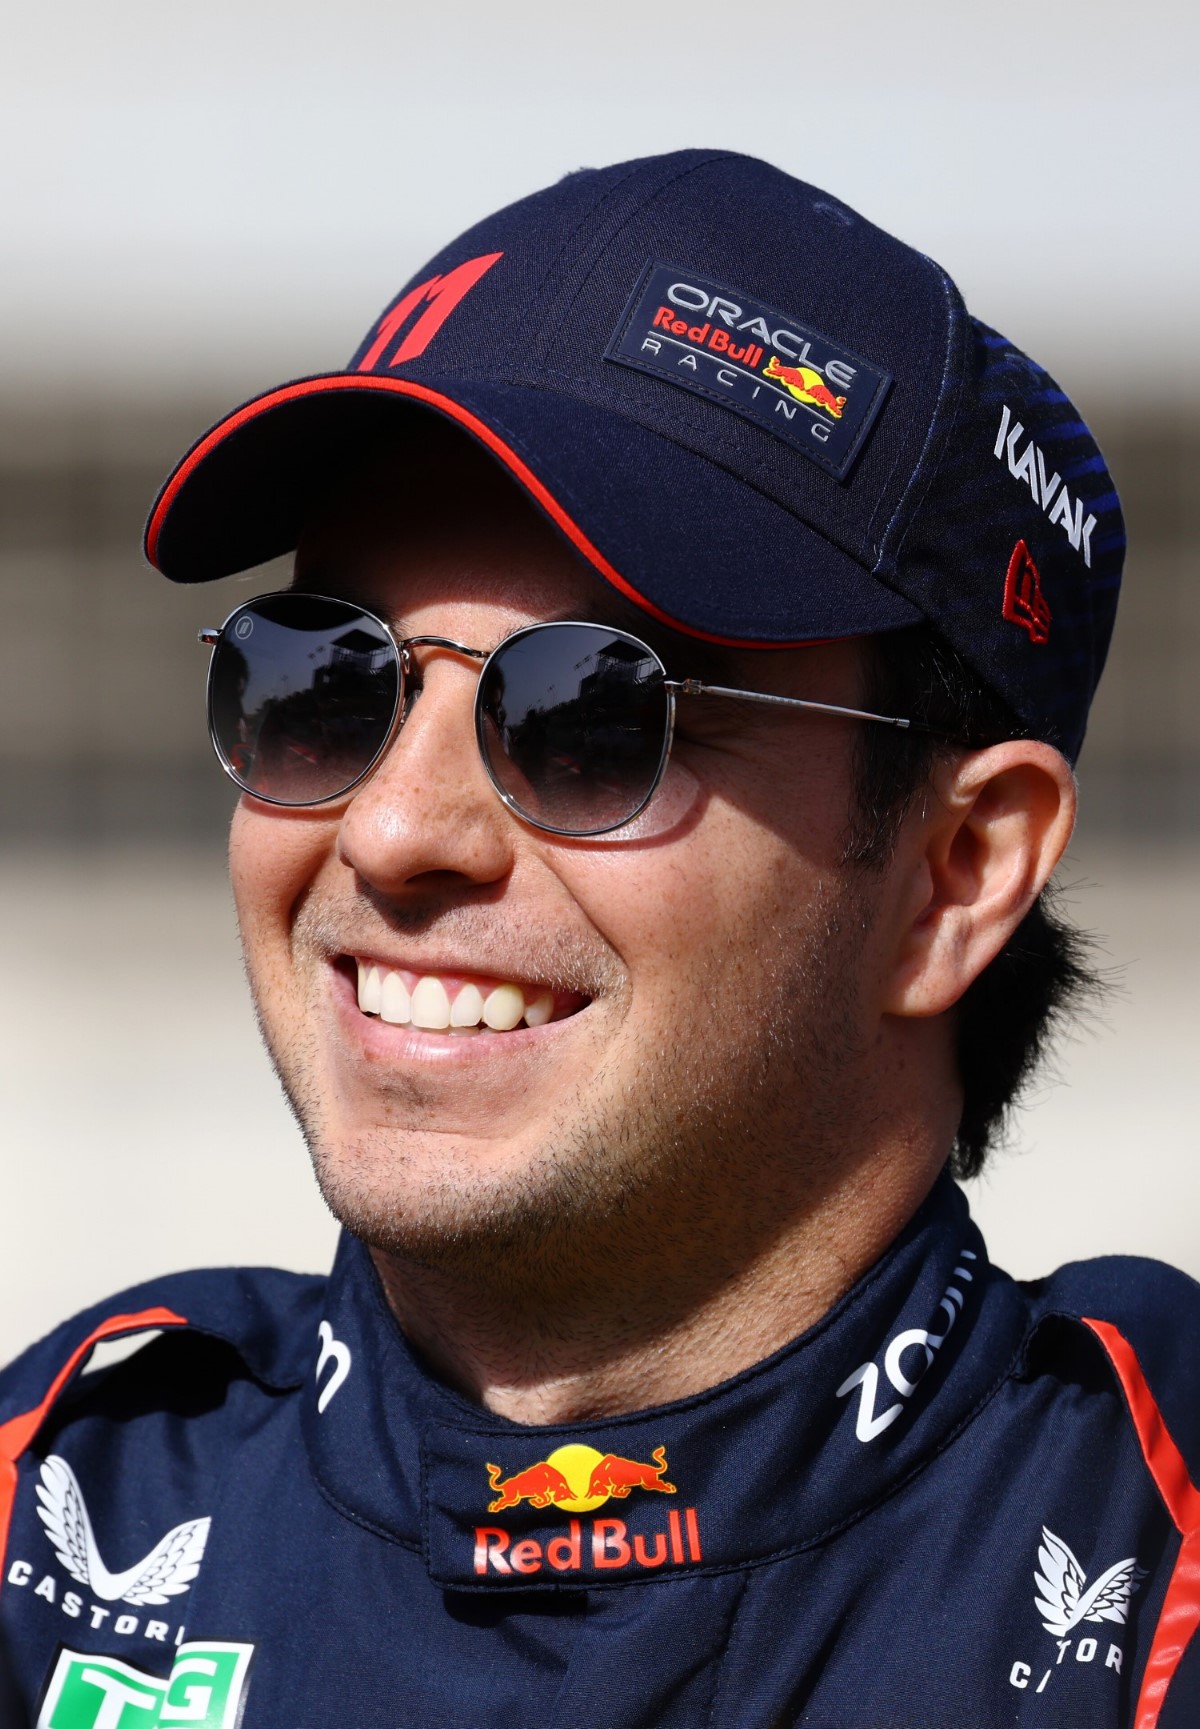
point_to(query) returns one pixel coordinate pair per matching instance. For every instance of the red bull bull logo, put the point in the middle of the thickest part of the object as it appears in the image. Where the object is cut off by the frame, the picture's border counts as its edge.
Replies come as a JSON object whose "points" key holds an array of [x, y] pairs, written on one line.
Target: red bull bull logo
{"points": [[579, 1479], [806, 386]]}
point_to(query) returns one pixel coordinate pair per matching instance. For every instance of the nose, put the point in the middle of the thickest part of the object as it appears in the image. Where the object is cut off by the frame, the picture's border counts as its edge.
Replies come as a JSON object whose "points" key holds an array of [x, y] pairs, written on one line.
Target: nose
{"points": [[428, 816]]}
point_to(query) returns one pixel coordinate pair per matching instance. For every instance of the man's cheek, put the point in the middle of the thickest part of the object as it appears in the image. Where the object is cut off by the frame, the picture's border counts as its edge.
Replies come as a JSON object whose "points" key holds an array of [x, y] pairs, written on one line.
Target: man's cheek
{"points": [[266, 878], [272, 859], [249, 860], [681, 914], [676, 807]]}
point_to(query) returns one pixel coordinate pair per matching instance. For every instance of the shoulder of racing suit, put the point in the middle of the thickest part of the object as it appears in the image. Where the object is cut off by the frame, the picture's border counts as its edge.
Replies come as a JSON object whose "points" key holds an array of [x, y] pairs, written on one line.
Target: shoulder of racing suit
{"points": [[1155, 1308], [1145, 1316], [266, 1315]]}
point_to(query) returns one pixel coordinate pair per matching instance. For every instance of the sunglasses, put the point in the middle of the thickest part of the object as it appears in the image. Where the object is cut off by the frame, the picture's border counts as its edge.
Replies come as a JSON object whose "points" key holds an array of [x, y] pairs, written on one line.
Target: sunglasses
{"points": [[574, 720]]}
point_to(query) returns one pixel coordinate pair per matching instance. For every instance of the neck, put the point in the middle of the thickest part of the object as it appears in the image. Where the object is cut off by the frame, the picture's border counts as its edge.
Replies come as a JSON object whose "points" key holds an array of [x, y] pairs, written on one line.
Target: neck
{"points": [[643, 1322]]}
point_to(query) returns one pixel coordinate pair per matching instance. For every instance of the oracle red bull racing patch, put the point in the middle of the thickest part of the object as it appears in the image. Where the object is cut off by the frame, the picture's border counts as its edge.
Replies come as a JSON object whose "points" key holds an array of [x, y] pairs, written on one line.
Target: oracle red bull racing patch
{"points": [[760, 362]]}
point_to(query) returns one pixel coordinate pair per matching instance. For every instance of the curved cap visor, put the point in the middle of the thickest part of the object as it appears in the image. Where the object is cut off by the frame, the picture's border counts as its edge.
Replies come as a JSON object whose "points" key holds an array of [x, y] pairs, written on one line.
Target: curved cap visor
{"points": [[687, 542]]}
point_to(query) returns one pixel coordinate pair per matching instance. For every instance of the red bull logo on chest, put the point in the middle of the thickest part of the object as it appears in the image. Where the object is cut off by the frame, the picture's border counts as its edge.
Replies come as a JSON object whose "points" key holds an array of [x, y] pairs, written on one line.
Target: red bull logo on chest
{"points": [[580, 1479]]}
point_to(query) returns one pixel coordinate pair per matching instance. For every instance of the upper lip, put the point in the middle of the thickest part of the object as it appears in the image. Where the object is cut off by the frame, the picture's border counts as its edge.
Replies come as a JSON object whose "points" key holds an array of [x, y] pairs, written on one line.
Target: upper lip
{"points": [[443, 967]]}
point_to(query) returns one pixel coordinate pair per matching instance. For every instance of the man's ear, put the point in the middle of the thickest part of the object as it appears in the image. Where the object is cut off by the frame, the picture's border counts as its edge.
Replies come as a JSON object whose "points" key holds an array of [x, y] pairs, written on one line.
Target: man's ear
{"points": [[972, 862]]}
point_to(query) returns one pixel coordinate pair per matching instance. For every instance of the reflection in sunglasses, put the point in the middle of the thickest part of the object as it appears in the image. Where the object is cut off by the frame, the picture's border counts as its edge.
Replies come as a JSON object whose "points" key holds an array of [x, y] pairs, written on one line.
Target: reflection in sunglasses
{"points": [[574, 720]]}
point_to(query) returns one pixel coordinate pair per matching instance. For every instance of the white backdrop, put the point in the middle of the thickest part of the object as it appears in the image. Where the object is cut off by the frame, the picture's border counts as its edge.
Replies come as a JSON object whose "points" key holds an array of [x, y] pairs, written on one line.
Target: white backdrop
{"points": [[241, 185]]}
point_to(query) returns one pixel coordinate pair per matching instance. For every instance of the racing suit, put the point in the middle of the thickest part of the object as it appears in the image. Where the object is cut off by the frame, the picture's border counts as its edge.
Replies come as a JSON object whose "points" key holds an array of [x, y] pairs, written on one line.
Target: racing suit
{"points": [[955, 1502]]}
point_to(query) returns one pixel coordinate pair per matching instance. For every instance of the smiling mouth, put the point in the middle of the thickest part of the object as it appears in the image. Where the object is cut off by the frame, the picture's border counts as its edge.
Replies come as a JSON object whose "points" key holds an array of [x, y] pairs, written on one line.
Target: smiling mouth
{"points": [[454, 1003]]}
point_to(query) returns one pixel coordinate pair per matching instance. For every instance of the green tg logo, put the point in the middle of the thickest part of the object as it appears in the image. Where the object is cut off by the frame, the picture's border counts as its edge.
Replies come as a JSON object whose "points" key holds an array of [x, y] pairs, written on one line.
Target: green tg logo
{"points": [[204, 1690]]}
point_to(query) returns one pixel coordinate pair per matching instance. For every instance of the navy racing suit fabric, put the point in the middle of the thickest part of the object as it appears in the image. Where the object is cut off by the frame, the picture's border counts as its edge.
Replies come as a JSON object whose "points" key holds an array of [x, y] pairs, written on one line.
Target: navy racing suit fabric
{"points": [[956, 1501]]}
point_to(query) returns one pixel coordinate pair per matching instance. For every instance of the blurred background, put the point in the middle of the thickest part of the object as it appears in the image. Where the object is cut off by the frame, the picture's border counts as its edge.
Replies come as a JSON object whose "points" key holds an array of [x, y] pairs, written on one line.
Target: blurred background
{"points": [[198, 202]]}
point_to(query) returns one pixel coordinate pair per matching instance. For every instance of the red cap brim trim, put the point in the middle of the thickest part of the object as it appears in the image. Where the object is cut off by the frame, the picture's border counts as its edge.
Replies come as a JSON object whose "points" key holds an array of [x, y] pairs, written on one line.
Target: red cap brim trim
{"points": [[479, 429]]}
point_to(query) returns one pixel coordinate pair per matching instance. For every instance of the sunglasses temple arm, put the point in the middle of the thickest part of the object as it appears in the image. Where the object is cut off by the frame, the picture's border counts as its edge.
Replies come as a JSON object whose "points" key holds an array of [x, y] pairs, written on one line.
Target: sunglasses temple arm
{"points": [[694, 687]]}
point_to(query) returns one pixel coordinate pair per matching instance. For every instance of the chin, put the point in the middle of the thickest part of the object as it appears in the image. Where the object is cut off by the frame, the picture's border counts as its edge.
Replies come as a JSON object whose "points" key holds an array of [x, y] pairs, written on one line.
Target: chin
{"points": [[438, 1209]]}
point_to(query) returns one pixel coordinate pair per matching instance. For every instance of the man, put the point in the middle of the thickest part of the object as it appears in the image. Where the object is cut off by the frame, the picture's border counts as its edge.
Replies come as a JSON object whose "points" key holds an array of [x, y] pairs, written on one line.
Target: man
{"points": [[651, 783]]}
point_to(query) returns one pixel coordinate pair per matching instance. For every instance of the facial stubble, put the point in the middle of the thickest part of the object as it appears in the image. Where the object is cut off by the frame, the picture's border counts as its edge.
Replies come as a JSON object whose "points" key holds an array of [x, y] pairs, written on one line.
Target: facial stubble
{"points": [[721, 1132]]}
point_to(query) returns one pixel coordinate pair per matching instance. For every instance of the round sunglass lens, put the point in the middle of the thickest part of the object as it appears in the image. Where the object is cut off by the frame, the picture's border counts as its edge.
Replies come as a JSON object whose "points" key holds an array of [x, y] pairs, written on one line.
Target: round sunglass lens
{"points": [[573, 725], [302, 696]]}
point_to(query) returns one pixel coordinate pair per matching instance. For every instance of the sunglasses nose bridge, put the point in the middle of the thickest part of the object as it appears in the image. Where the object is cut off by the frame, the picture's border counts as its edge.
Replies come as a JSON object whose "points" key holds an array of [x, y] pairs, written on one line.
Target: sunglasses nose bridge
{"points": [[404, 647], [448, 643]]}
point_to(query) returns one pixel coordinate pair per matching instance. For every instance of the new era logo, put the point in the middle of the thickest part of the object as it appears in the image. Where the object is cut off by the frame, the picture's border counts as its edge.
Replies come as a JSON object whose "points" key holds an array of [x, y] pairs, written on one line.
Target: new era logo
{"points": [[1024, 602]]}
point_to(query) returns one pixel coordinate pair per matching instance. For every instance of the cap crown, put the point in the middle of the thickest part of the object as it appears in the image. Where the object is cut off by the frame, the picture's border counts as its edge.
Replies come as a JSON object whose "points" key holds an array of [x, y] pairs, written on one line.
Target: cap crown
{"points": [[968, 451]]}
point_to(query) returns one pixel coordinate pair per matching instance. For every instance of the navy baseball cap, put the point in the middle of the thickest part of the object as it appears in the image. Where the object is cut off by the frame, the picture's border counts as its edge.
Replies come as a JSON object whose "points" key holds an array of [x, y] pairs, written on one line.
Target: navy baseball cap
{"points": [[758, 416]]}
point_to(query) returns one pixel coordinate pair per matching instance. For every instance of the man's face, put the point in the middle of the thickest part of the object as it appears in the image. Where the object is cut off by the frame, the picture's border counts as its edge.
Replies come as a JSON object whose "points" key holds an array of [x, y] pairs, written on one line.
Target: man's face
{"points": [[711, 966]]}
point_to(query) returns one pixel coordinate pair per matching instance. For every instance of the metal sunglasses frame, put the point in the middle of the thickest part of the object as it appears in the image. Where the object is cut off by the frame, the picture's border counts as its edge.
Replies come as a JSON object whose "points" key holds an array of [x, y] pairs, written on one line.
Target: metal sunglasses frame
{"points": [[210, 637]]}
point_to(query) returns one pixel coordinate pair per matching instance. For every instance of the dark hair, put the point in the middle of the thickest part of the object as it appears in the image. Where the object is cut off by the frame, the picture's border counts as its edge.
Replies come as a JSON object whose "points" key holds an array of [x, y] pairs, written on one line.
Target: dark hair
{"points": [[1044, 974]]}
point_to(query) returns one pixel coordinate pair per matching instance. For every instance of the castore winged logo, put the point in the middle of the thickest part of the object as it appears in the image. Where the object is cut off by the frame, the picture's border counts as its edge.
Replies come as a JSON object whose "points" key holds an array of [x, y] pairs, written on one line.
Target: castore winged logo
{"points": [[1066, 1598], [166, 1571]]}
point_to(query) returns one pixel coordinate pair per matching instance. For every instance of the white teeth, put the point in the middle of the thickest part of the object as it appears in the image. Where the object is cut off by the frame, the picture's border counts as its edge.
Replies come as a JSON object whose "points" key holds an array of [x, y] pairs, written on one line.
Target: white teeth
{"points": [[430, 1005], [468, 1007], [504, 1008], [385, 994], [368, 989], [394, 1005]]}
